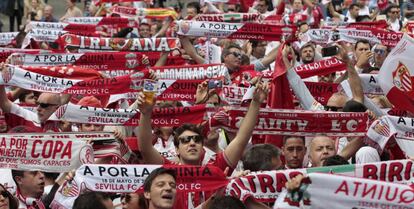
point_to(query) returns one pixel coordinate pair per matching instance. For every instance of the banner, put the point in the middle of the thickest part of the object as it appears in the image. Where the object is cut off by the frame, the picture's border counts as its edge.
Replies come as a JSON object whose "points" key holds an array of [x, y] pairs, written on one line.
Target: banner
{"points": [[191, 72], [79, 81], [400, 128], [7, 38], [230, 17], [144, 12], [322, 91], [119, 44], [107, 21], [395, 76], [321, 67], [324, 191], [266, 186], [59, 26], [6, 52], [169, 116], [298, 122], [168, 90], [381, 24], [61, 152], [253, 31], [370, 84], [232, 95], [131, 178]]}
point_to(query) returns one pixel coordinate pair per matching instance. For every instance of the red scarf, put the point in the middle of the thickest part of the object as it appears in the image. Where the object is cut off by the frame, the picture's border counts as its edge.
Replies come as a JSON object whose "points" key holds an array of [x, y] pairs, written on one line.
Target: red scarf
{"points": [[30, 202]]}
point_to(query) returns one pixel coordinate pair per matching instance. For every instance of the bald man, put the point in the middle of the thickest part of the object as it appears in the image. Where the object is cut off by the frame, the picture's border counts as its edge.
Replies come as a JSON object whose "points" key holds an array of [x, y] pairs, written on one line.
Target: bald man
{"points": [[47, 104], [321, 148]]}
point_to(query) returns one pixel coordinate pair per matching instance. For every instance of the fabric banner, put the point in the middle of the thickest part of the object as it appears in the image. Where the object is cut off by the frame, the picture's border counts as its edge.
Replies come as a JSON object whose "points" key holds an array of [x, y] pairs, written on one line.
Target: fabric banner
{"points": [[169, 116], [80, 81], [168, 90], [395, 76], [322, 91], [382, 24], [5, 52], [321, 67], [59, 26], [49, 152], [232, 95], [7, 38], [252, 31], [325, 191], [387, 127], [131, 178], [92, 60], [230, 17], [144, 12], [267, 185], [298, 122], [107, 21], [191, 72], [370, 84], [119, 44]]}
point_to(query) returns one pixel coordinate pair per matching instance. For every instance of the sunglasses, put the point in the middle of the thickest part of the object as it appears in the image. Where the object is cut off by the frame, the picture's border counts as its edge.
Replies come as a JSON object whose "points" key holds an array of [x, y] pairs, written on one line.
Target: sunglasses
{"points": [[5, 194], [45, 105], [187, 139], [333, 108], [236, 54], [379, 51]]}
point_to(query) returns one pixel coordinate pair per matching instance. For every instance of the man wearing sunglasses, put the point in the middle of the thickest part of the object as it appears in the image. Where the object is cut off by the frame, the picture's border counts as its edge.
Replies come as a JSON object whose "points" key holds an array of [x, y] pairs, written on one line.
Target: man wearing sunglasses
{"points": [[188, 138]]}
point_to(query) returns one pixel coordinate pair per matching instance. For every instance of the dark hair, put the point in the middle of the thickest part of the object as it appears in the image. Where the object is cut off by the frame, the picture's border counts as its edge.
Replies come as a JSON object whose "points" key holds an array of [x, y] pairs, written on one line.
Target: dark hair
{"points": [[23, 95], [186, 127], [362, 41], [259, 157], [335, 160], [307, 45], [392, 6], [354, 106], [226, 202], [51, 175], [361, 18], [13, 202], [16, 173], [285, 138], [194, 5], [154, 174], [91, 200], [354, 5], [226, 50]]}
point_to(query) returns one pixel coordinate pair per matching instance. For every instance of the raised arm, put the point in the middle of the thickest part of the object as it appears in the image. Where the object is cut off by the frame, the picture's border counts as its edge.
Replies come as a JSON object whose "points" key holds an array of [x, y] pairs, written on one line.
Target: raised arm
{"points": [[5, 103], [270, 57], [149, 153], [235, 149], [353, 77], [190, 50]]}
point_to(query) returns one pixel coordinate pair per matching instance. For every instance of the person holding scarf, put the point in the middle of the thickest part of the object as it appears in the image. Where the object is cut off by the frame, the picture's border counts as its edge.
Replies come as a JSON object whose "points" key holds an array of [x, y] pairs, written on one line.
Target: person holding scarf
{"points": [[30, 187]]}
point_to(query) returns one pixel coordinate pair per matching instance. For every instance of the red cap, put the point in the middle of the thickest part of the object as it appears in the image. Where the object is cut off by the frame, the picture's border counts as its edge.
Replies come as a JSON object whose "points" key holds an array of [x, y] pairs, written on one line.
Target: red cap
{"points": [[90, 101]]}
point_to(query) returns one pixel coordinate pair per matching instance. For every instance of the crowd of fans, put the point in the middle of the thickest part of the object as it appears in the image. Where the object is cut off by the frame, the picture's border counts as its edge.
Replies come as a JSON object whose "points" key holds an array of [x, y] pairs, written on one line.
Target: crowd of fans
{"points": [[237, 154]]}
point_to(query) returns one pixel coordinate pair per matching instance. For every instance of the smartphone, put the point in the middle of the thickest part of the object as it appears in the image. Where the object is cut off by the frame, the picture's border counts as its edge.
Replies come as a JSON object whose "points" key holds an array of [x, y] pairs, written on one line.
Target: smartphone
{"points": [[212, 84], [330, 51]]}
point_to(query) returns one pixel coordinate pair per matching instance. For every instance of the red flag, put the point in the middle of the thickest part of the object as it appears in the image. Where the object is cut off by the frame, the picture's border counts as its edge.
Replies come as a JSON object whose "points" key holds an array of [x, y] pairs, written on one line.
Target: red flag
{"points": [[280, 95]]}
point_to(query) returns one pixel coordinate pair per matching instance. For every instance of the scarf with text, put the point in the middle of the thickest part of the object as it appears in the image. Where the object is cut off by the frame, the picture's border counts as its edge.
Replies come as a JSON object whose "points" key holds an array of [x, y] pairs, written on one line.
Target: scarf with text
{"points": [[107, 21], [253, 31], [144, 12], [49, 152], [7, 38], [69, 80], [321, 67], [169, 116], [388, 128], [131, 178], [322, 91], [295, 122], [267, 185], [382, 24], [119, 44], [230, 17], [124, 62], [191, 72], [325, 191], [59, 26]]}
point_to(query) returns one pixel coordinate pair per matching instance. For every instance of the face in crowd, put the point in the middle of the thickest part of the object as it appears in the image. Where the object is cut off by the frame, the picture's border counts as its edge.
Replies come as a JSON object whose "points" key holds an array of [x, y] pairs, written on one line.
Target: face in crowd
{"points": [[233, 59], [32, 183], [162, 193], [321, 148], [307, 54], [47, 104], [294, 151], [190, 146]]}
